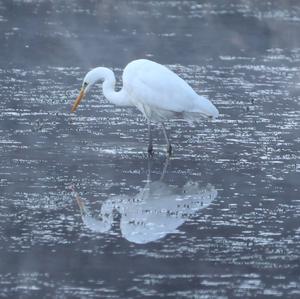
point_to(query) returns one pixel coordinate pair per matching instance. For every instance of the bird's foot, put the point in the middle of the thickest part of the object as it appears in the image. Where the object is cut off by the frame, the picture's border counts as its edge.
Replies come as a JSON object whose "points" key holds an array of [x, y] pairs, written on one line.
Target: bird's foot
{"points": [[169, 150], [150, 150]]}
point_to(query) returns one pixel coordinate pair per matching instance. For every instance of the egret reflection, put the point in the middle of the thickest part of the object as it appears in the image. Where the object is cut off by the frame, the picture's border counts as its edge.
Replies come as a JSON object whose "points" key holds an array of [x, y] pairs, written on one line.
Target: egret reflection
{"points": [[156, 210]]}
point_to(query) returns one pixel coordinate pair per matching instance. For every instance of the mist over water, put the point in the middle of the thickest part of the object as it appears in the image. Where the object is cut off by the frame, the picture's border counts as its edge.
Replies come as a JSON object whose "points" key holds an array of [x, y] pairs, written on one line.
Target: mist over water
{"points": [[89, 33], [84, 214]]}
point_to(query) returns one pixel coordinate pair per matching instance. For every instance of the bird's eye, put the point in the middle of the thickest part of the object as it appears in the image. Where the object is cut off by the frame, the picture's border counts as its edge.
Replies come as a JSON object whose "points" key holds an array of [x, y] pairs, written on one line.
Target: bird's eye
{"points": [[85, 84]]}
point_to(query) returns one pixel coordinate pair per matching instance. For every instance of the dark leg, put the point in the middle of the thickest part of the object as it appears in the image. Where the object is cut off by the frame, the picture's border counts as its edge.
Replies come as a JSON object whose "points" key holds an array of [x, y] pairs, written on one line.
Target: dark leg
{"points": [[169, 147], [150, 146]]}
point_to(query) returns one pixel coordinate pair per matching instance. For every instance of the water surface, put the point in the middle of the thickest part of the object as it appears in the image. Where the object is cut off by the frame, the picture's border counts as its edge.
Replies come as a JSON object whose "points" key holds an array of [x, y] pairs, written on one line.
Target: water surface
{"points": [[85, 214]]}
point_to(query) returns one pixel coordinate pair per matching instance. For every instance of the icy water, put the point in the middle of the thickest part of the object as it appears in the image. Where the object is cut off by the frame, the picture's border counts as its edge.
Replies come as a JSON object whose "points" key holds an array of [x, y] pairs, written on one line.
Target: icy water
{"points": [[85, 214]]}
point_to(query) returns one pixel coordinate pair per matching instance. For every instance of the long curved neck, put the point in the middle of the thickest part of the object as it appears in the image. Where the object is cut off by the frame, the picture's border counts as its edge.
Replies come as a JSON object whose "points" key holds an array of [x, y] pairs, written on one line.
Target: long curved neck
{"points": [[119, 98]]}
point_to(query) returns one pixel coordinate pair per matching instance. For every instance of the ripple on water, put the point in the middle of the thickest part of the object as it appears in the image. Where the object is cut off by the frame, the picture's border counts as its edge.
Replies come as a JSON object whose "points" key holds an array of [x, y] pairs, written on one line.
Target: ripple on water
{"points": [[250, 155]]}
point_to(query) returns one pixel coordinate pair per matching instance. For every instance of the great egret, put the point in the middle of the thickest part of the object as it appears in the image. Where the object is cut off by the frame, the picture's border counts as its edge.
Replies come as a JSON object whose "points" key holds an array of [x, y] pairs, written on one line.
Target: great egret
{"points": [[155, 90], [156, 210]]}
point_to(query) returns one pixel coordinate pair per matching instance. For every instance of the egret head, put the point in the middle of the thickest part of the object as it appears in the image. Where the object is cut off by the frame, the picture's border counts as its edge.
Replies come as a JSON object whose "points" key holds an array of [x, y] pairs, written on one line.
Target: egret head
{"points": [[89, 80]]}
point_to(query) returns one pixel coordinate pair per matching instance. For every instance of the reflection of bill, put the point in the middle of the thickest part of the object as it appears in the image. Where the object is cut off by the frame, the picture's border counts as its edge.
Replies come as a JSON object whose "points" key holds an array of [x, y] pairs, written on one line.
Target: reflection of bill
{"points": [[157, 210]]}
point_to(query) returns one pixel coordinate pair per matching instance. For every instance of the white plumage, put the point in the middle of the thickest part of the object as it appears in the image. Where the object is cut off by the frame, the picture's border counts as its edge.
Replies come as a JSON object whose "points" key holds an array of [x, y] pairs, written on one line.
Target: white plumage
{"points": [[155, 90]]}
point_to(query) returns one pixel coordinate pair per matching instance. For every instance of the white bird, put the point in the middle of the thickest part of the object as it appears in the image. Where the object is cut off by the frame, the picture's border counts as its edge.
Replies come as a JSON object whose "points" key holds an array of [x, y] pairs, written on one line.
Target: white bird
{"points": [[153, 89]]}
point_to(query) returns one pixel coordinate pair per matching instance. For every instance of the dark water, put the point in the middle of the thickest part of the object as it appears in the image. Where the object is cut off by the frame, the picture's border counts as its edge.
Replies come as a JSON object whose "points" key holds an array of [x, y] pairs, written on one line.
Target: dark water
{"points": [[84, 214]]}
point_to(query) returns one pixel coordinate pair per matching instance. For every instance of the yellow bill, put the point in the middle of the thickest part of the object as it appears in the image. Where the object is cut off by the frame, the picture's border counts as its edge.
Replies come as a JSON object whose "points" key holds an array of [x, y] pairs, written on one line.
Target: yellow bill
{"points": [[78, 100]]}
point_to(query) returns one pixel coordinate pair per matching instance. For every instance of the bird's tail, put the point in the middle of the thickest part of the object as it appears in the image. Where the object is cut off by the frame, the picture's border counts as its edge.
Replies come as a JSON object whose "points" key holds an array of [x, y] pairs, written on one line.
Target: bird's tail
{"points": [[203, 107], [195, 116]]}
